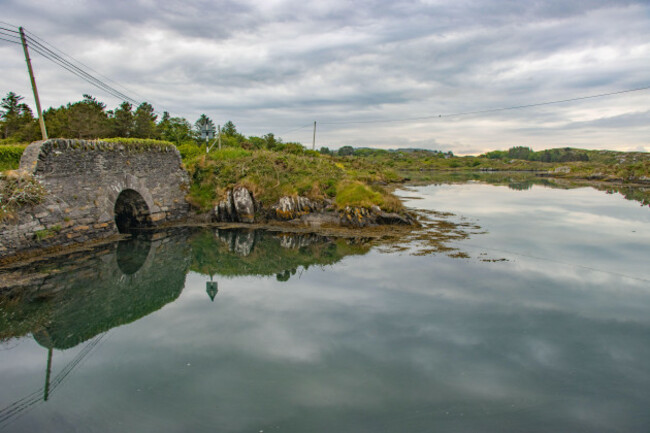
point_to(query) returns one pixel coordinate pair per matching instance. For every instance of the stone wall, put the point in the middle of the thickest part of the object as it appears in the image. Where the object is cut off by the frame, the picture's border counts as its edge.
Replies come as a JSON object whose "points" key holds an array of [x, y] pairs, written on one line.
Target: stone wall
{"points": [[83, 181]]}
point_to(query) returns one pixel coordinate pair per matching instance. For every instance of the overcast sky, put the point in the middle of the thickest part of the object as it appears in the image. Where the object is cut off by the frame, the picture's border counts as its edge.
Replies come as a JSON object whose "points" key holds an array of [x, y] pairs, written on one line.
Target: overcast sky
{"points": [[274, 66]]}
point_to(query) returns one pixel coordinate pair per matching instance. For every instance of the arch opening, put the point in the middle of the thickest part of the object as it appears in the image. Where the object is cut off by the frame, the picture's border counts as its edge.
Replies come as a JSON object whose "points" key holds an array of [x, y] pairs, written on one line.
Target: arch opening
{"points": [[131, 211]]}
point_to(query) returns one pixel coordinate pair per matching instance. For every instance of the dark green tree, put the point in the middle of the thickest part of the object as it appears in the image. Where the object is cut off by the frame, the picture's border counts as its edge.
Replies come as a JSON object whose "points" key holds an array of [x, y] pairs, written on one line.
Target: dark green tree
{"points": [[345, 151], [16, 119], [145, 122], [175, 129], [229, 129], [123, 121]]}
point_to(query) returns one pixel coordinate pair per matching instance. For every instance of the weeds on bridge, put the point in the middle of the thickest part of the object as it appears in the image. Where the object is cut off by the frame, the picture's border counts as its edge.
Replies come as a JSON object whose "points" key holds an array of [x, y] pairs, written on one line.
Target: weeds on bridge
{"points": [[16, 190]]}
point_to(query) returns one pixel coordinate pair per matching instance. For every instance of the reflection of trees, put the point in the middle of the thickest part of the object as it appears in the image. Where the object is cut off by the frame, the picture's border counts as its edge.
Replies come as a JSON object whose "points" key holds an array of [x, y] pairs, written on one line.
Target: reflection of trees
{"points": [[251, 252], [522, 181]]}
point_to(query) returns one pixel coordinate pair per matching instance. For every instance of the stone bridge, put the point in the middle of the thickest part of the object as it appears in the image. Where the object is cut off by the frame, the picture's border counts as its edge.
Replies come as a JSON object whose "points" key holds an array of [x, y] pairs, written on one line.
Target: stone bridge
{"points": [[96, 189]]}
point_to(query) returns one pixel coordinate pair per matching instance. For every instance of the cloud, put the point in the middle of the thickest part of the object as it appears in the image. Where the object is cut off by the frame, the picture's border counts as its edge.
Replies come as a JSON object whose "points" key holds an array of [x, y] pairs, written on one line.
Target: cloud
{"points": [[274, 66]]}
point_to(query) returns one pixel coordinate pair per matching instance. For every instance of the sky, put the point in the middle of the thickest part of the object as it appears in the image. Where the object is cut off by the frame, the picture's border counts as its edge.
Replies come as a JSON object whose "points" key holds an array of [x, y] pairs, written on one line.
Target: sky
{"points": [[384, 74]]}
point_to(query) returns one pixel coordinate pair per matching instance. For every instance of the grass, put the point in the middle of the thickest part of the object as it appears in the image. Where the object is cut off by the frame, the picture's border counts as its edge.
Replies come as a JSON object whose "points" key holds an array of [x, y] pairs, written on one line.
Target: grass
{"points": [[47, 233], [18, 190], [139, 143], [10, 156], [270, 175]]}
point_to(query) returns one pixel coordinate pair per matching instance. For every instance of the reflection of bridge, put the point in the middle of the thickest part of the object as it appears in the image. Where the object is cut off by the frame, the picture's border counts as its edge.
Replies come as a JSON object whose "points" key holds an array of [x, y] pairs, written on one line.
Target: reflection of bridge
{"points": [[115, 286]]}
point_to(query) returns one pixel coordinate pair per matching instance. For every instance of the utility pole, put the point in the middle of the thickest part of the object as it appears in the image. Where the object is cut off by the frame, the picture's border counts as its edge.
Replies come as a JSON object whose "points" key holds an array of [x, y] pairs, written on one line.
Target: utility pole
{"points": [[313, 142], [219, 136], [41, 121]]}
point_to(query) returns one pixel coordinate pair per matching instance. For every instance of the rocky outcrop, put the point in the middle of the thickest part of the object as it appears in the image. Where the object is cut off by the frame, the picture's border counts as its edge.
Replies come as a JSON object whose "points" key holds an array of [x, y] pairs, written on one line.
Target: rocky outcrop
{"points": [[288, 208], [238, 206]]}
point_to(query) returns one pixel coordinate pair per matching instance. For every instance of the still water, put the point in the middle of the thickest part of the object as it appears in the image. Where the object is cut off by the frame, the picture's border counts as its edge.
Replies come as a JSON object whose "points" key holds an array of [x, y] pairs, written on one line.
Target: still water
{"points": [[541, 324]]}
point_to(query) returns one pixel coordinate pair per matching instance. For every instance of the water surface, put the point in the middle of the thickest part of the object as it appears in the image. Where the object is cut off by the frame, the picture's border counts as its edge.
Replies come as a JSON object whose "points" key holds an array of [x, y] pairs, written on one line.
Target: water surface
{"points": [[542, 324]]}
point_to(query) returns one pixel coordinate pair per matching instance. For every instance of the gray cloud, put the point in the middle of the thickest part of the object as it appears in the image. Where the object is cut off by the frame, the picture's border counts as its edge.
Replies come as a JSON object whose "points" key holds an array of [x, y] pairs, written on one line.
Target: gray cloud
{"points": [[274, 66]]}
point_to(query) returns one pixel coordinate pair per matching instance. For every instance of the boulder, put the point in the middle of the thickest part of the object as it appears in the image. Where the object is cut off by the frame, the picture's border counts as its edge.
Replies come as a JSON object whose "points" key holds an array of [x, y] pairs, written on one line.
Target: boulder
{"points": [[238, 206], [244, 204]]}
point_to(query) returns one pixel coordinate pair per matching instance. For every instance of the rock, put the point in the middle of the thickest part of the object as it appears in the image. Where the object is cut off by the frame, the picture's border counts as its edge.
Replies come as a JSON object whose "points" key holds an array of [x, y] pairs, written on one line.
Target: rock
{"points": [[319, 219], [224, 211], [238, 206], [288, 208], [394, 218], [244, 205]]}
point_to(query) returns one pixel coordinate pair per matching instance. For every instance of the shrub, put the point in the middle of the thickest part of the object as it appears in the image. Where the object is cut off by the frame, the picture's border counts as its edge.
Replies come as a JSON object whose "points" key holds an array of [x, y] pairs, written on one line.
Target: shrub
{"points": [[10, 156]]}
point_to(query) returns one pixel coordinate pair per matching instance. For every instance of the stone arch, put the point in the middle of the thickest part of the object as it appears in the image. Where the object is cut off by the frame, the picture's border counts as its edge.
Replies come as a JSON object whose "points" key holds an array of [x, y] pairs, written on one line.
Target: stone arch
{"points": [[131, 211]]}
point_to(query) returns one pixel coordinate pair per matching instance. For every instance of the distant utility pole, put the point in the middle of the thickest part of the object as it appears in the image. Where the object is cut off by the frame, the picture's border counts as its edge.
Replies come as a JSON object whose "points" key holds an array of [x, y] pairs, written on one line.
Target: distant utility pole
{"points": [[313, 142], [219, 136], [41, 121]]}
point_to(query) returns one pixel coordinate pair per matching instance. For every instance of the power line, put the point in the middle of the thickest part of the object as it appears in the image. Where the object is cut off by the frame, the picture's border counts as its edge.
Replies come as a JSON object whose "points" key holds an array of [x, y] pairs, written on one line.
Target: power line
{"points": [[295, 129], [7, 40], [49, 54], [489, 110], [82, 64], [60, 58]]}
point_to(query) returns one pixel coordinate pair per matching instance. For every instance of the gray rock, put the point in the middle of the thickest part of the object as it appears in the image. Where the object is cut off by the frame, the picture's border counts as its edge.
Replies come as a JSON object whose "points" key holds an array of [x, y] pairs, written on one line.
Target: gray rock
{"points": [[244, 204], [288, 208]]}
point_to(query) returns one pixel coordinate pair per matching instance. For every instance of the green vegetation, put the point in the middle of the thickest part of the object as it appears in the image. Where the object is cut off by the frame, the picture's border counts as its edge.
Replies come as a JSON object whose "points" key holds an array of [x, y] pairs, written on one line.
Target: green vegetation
{"points": [[47, 233], [271, 168], [10, 156], [267, 256], [17, 191]]}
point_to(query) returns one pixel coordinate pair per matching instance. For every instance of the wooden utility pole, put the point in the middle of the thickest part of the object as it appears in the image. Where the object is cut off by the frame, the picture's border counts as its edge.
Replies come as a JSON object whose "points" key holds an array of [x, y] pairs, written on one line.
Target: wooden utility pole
{"points": [[41, 121], [219, 129], [313, 142]]}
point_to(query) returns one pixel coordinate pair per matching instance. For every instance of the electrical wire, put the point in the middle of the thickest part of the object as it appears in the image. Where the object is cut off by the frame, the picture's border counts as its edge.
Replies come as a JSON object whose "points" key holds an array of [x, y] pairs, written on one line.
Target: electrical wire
{"points": [[60, 58], [295, 129], [32, 35], [489, 110], [49, 54], [7, 40]]}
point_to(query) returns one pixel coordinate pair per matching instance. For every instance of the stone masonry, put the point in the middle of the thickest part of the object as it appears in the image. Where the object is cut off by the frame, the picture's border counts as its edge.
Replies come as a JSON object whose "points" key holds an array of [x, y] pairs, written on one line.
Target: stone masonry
{"points": [[84, 180]]}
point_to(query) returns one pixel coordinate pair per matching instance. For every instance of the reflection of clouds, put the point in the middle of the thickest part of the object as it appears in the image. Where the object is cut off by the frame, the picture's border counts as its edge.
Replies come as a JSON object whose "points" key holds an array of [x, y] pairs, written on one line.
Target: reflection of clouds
{"points": [[384, 341]]}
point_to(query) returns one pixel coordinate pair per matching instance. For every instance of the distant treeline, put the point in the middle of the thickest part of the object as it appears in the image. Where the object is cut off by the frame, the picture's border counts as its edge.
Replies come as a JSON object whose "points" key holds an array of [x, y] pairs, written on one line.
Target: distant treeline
{"points": [[370, 152], [566, 154]]}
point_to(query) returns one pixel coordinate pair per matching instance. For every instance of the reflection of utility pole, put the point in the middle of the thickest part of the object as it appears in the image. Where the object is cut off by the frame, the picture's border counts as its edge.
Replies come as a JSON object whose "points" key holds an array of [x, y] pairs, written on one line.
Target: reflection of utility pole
{"points": [[46, 390], [41, 121]]}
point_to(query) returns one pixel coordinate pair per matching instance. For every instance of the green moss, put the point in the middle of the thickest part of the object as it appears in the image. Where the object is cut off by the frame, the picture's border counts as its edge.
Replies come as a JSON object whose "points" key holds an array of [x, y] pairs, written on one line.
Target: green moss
{"points": [[47, 233], [139, 143]]}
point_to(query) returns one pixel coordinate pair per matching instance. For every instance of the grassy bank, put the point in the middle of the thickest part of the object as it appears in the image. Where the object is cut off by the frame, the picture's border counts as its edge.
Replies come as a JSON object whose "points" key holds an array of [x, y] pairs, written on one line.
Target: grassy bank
{"points": [[270, 175], [360, 177]]}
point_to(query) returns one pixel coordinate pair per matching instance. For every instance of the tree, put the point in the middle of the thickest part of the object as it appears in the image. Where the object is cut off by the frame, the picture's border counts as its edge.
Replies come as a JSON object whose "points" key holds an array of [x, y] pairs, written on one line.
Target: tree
{"points": [[229, 129], [123, 121], [85, 119], [16, 119], [145, 122], [175, 129], [346, 150]]}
